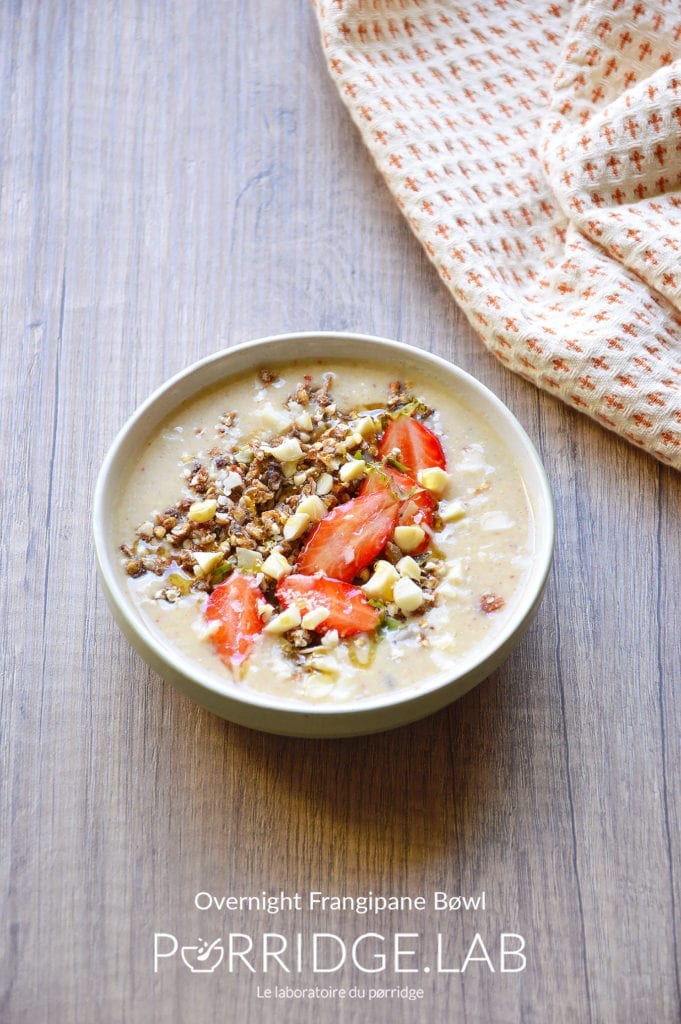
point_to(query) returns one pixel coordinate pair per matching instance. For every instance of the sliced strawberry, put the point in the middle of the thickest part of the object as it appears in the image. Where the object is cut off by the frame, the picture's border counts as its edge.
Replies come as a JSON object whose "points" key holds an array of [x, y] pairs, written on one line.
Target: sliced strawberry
{"points": [[419, 447], [350, 536], [417, 506], [349, 610], [234, 604]]}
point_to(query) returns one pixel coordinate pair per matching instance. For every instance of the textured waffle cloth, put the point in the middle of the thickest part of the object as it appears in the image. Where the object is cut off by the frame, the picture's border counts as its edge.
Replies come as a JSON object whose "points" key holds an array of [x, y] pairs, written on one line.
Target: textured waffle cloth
{"points": [[535, 150]]}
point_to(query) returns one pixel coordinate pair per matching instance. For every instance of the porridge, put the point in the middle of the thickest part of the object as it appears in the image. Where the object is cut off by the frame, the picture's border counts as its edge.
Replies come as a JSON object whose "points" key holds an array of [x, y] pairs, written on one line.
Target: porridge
{"points": [[321, 532]]}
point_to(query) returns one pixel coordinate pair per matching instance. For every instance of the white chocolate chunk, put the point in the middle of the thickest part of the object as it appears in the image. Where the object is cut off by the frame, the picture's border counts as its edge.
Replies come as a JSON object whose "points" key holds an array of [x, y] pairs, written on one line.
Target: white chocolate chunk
{"points": [[312, 506], [275, 566], [352, 470], [314, 618], [365, 426], [206, 561], [281, 623], [353, 440], [408, 567], [409, 538], [456, 573], [493, 521], [324, 484], [205, 630], [330, 639], [288, 451], [275, 419], [202, 511], [452, 511], [434, 479], [381, 583], [304, 421], [407, 595], [247, 559], [296, 525], [472, 460]]}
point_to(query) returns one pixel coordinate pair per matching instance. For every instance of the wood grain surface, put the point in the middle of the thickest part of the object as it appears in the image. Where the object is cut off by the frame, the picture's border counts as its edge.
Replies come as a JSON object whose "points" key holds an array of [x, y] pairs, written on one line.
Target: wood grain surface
{"points": [[178, 176]]}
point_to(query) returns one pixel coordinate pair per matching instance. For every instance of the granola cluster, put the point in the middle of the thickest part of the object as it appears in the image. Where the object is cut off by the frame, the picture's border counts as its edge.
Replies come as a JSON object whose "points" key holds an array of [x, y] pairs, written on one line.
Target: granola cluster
{"points": [[251, 503]]}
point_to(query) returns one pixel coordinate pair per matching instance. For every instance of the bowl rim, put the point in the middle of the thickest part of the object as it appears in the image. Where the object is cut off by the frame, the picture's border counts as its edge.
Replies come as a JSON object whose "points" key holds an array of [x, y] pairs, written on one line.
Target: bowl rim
{"points": [[176, 661]]}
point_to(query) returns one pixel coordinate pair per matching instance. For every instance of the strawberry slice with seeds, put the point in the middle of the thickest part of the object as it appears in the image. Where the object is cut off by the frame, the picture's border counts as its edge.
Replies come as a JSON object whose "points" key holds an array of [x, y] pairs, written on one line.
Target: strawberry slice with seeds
{"points": [[349, 611], [234, 604], [350, 536], [417, 505], [419, 447]]}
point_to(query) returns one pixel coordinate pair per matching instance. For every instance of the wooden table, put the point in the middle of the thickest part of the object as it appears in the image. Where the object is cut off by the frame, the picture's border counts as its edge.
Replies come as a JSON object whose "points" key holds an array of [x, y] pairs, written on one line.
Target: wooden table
{"points": [[178, 177]]}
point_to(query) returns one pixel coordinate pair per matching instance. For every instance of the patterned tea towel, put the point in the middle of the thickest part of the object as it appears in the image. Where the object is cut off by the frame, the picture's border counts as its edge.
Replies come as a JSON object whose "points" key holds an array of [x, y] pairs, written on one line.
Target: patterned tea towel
{"points": [[535, 149]]}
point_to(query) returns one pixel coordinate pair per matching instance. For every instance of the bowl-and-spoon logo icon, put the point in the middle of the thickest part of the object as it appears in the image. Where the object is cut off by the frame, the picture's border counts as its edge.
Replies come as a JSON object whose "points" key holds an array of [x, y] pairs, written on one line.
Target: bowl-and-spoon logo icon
{"points": [[203, 958]]}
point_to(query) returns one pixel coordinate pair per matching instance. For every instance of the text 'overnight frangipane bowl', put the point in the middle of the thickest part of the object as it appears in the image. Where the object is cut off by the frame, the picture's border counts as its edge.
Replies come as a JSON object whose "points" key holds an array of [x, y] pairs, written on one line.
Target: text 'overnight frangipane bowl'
{"points": [[323, 534]]}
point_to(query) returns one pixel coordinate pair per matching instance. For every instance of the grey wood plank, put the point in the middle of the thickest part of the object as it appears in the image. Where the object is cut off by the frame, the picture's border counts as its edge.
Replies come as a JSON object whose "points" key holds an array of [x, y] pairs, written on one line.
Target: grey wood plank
{"points": [[178, 177]]}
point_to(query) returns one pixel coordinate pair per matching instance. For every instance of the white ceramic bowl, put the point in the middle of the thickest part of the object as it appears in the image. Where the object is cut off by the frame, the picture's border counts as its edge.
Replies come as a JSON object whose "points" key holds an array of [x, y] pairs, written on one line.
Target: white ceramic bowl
{"points": [[292, 717]]}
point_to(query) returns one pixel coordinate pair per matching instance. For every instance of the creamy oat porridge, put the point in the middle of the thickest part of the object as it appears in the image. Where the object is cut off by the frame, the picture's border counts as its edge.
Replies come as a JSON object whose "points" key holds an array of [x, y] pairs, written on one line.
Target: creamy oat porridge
{"points": [[320, 532]]}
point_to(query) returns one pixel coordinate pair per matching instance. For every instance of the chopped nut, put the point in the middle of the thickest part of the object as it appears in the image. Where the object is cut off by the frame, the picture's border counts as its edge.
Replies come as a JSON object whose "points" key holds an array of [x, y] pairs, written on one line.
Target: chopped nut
{"points": [[271, 522], [352, 470], [381, 584], [275, 566], [434, 479], [206, 561], [200, 481], [314, 618], [202, 511], [299, 638], [407, 595], [453, 511], [281, 623], [266, 377], [408, 567], [296, 525], [146, 531], [231, 482], [324, 484], [265, 610], [288, 451], [392, 553], [312, 506], [408, 538], [491, 603]]}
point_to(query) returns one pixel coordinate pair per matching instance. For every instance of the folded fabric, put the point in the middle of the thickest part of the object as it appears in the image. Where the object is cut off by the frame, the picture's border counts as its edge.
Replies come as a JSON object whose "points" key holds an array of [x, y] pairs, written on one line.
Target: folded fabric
{"points": [[535, 150]]}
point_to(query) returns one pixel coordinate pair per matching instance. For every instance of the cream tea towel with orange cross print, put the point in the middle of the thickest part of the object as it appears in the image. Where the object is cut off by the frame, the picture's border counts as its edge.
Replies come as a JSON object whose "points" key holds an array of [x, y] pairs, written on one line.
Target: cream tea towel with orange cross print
{"points": [[535, 150]]}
